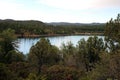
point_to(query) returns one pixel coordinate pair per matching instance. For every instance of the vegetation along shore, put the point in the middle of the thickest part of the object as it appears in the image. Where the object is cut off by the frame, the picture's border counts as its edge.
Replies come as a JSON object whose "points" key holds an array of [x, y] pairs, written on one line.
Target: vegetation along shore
{"points": [[91, 59], [33, 28]]}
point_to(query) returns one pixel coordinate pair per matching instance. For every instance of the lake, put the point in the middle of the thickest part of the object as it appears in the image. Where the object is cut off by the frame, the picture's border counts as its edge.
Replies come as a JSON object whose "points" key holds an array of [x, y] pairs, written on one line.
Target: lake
{"points": [[25, 44]]}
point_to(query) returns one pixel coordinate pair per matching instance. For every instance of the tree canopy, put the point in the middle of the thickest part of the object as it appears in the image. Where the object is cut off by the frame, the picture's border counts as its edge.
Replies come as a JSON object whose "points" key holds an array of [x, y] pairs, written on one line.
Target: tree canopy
{"points": [[92, 59]]}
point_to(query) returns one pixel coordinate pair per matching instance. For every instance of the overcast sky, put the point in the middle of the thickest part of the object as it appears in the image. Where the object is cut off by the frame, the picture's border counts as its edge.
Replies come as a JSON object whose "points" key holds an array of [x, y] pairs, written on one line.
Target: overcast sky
{"points": [[82, 11]]}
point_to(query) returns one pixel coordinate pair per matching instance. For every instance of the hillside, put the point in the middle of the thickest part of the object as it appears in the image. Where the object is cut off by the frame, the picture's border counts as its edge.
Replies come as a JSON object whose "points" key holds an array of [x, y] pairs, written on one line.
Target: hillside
{"points": [[33, 27], [73, 24]]}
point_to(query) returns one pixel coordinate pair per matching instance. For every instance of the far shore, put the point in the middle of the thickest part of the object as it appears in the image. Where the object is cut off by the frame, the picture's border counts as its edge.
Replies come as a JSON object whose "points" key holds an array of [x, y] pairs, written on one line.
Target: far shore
{"points": [[51, 35]]}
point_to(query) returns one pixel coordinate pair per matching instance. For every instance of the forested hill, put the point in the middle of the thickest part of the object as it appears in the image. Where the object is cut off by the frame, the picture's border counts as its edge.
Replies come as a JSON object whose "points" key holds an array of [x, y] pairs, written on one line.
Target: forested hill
{"points": [[33, 27], [74, 24]]}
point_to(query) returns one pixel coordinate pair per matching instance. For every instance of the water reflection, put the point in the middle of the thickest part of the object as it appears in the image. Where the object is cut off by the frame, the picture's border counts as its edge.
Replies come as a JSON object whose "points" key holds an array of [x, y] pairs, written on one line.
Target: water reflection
{"points": [[26, 43]]}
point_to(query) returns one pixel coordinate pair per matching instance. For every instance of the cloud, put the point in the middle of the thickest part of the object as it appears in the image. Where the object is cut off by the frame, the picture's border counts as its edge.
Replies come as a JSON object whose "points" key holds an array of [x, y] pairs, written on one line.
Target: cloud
{"points": [[67, 4], [8, 9], [107, 3], [80, 4], [59, 10], [14, 10]]}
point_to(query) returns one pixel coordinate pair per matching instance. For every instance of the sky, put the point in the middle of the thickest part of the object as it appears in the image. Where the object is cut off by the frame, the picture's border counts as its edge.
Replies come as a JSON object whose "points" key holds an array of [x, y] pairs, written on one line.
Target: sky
{"points": [[74, 11]]}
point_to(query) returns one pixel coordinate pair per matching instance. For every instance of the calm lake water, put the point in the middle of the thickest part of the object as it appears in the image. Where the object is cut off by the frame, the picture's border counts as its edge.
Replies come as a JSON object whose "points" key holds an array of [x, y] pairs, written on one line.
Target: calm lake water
{"points": [[26, 43]]}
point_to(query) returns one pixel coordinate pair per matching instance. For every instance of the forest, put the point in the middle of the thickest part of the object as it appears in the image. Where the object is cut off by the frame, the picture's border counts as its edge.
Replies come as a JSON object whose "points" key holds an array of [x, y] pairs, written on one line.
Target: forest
{"points": [[34, 28], [92, 59]]}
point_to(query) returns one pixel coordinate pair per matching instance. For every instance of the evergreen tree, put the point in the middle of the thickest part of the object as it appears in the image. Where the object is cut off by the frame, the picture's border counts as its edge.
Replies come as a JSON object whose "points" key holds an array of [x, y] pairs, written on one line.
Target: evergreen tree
{"points": [[112, 34], [7, 43], [43, 53]]}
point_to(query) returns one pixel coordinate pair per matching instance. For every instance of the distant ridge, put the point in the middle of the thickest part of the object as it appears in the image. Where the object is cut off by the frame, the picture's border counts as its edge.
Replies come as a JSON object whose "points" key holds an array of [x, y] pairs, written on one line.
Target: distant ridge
{"points": [[75, 24], [23, 21], [34, 28], [56, 23]]}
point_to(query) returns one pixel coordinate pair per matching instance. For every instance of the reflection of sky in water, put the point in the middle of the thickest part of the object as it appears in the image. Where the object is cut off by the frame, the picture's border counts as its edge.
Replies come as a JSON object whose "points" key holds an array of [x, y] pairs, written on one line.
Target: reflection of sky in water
{"points": [[26, 43], [64, 39]]}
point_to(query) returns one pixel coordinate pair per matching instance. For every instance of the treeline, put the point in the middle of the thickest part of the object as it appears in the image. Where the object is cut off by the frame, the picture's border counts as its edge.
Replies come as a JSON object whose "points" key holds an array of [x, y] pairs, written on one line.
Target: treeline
{"points": [[39, 28], [92, 59]]}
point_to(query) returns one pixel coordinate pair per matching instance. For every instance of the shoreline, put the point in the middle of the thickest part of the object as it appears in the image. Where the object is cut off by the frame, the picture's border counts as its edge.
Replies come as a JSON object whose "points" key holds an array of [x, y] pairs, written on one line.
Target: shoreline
{"points": [[52, 35]]}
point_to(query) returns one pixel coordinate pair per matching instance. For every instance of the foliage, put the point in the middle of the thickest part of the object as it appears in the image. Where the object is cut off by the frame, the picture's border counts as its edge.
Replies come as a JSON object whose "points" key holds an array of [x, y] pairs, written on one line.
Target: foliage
{"points": [[32, 76], [14, 56], [7, 39], [112, 34], [88, 52], [108, 68], [20, 69], [43, 53], [31, 27], [8, 52], [58, 72], [92, 59], [112, 30], [114, 64], [68, 54], [5, 73]]}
